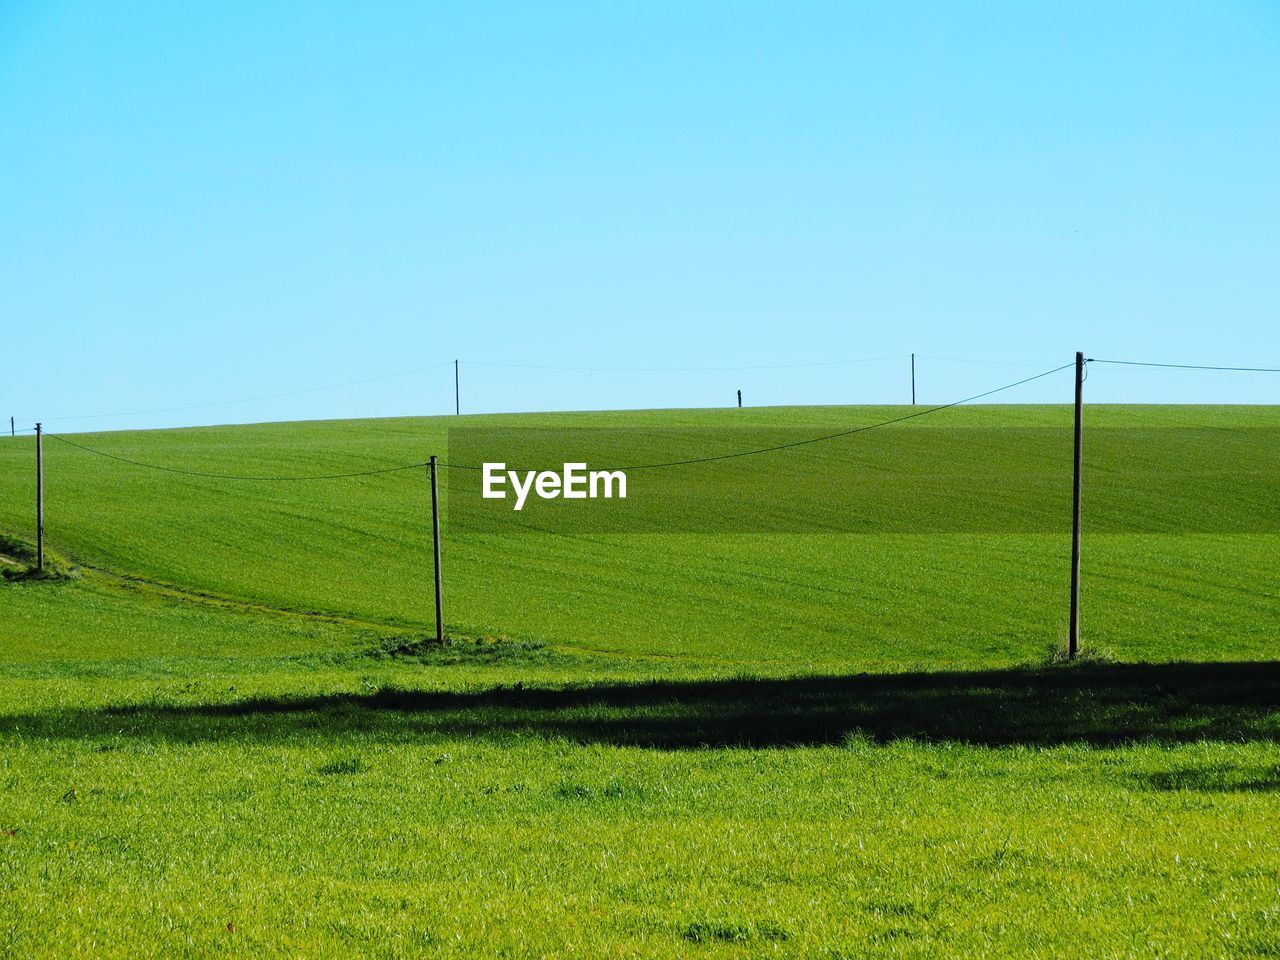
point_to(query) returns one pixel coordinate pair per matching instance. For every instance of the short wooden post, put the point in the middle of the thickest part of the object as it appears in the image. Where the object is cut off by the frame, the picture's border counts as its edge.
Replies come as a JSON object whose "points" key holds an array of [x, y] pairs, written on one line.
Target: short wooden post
{"points": [[39, 499], [435, 543]]}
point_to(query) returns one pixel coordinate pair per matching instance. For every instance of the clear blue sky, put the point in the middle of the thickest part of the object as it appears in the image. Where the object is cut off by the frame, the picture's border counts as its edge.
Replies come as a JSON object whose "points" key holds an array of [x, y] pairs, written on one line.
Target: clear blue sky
{"points": [[203, 202]]}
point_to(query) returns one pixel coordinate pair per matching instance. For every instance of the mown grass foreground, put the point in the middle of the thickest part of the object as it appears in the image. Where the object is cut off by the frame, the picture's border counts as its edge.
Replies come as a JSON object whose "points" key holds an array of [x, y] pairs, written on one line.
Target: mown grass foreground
{"points": [[224, 730]]}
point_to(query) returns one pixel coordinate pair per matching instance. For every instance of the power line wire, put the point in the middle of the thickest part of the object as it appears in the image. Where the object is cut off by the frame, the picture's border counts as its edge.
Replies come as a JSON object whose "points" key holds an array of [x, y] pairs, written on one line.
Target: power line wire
{"points": [[766, 366], [445, 363], [821, 439], [984, 362], [230, 476], [1188, 366], [644, 466], [269, 396], [589, 369]]}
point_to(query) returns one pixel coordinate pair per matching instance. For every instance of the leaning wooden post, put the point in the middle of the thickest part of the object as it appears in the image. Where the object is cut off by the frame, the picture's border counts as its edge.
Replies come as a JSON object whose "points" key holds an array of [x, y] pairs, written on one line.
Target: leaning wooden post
{"points": [[39, 499], [1073, 631], [435, 543]]}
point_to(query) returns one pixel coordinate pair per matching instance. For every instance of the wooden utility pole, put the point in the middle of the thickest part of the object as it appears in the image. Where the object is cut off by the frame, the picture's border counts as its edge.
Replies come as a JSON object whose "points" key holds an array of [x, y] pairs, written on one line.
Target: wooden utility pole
{"points": [[435, 543], [913, 379], [1073, 630], [12, 430], [39, 499], [457, 395]]}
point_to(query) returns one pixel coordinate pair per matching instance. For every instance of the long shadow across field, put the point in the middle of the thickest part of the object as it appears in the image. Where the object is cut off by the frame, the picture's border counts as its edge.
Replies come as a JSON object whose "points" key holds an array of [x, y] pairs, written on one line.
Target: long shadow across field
{"points": [[1090, 704]]}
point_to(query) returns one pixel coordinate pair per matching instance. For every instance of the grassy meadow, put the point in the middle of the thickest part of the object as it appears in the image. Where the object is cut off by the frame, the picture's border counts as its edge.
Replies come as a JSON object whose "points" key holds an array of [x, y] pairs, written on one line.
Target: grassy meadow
{"points": [[226, 732]]}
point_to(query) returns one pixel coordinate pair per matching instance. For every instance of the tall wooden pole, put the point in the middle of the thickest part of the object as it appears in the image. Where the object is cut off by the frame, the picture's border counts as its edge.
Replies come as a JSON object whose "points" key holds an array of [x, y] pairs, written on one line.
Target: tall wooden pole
{"points": [[913, 379], [435, 543], [39, 499], [1073, 631], [457, 394]]}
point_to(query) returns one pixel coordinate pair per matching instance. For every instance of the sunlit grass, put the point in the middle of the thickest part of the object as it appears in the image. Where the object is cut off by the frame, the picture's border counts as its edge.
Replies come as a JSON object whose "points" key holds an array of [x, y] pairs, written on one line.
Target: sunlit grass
{"points": [[228, 730]]}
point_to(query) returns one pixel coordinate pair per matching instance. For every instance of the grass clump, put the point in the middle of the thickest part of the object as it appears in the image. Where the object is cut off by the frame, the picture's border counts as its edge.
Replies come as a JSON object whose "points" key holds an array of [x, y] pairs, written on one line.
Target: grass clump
{"points": [[1057, 655], [18, 562], [343, 766], [719, 931], [424, 648]]}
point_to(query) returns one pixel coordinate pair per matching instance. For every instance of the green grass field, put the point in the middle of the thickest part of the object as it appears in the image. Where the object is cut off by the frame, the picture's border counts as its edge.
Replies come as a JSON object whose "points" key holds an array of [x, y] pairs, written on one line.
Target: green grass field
{"points": [[226, 732]]}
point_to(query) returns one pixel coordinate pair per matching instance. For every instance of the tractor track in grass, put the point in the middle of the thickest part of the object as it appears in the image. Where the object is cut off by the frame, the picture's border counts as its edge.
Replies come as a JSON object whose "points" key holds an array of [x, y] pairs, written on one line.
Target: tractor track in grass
{"points": [[160, 589], [97, 577]]}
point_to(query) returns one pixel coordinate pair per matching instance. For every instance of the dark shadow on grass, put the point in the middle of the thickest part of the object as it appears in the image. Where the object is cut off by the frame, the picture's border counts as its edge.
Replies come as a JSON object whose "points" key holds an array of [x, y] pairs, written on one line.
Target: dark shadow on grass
{"points": [[1100, 704]]}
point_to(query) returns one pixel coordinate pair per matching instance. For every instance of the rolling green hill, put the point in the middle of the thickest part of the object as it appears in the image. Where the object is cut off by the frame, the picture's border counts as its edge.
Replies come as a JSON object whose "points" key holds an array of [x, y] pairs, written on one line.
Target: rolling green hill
{"points": [[360, 548], [223, 730]]}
